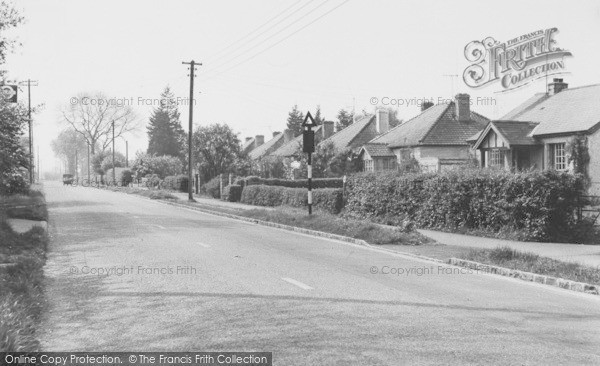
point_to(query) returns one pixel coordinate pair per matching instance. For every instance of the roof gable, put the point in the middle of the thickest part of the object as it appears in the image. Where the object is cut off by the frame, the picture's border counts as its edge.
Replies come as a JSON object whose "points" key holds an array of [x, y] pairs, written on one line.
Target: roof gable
{"points": [[506, 134]]}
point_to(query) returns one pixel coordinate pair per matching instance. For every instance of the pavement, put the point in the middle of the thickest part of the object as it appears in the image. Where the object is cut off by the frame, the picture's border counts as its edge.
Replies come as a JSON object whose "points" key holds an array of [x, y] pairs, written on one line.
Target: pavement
{"points": [[581, 253], [127, 273]]}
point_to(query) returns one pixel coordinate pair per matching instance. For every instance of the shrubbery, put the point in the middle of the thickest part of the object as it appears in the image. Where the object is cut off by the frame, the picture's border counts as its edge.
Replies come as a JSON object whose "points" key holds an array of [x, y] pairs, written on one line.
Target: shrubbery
{"points": [[232, 193], [298, 183], [326, 199], [212, 187], [538, 205], [126, 177], [176, 182]]}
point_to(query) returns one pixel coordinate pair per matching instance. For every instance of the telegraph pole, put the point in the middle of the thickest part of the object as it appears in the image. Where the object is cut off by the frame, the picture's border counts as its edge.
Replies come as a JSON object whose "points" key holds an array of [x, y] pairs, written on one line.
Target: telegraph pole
{"points": [[190, 129], [29, 84], [113, 152], [88, 162], [76, 167]]}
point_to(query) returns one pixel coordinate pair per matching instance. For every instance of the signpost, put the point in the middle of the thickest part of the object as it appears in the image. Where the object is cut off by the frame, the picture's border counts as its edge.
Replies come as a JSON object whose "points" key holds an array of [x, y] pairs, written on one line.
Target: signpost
{"points": [[308, 139]]}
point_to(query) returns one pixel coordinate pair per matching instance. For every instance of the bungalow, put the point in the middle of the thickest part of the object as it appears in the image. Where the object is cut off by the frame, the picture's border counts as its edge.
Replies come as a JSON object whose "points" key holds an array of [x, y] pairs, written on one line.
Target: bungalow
{"points": [[436, 138], [538, 134]]}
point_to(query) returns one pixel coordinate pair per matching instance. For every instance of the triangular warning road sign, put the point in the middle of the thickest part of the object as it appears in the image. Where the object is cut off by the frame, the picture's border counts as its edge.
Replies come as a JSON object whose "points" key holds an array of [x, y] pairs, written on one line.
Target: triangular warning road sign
{"points": [[309, 120]]}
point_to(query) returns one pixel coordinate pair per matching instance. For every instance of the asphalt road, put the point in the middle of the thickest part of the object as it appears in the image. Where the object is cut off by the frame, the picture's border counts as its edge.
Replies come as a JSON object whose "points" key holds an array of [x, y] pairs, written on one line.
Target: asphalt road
{"points": [[185, 281]]}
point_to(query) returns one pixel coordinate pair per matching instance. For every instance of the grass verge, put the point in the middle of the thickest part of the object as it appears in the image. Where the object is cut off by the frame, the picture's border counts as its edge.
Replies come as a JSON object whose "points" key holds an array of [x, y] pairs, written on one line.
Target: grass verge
{"points": [[155, 194], [531, 262], [329, 223], [22, 257]]}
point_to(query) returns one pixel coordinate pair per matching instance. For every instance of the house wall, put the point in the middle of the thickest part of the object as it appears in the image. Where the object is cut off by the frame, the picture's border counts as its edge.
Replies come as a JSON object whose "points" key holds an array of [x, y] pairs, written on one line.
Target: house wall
{"points": [[594, 166], [429, 156]]}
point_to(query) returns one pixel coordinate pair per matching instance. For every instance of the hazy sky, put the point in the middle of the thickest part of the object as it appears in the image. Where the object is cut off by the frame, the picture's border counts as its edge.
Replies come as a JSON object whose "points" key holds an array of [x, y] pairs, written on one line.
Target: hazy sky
{"points": [[361, 49]]}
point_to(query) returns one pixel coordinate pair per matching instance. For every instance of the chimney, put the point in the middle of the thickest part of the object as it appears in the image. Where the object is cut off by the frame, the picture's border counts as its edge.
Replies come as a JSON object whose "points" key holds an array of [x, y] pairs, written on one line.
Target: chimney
{"points": [[556, 86], [259, 140], [248, 139], [463, 107], [288, 135], [426, 104], [382, 121], [328, 129], [276, 133]]}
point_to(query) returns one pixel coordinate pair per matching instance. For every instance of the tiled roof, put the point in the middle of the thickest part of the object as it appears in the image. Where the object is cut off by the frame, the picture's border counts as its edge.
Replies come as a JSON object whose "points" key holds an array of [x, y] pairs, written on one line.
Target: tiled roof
{"points": [[525, 106], [343, 138], [516, 133], [292, 147], [437, 125], [412, 131], [571, 110], [378, 150], [248, 145], [266, 147]]}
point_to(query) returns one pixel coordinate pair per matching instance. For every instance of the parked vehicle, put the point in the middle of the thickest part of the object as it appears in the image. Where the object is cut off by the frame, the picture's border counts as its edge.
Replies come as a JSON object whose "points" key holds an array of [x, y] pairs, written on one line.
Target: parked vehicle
{"points": [[68, 179]]}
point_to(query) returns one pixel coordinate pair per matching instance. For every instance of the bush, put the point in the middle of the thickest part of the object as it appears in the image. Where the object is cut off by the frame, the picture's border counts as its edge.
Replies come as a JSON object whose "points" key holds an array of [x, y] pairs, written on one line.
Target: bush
{"points": [[153, 181], [232, 193], [162, 166], [326, 199], [176, 182], [538, 205], [126, 177], [212, 187], [12, 183]]}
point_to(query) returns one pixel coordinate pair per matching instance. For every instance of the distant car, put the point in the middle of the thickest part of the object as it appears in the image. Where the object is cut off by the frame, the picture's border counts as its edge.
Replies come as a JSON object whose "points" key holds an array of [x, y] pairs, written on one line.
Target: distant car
{"points": [[68, 179]]}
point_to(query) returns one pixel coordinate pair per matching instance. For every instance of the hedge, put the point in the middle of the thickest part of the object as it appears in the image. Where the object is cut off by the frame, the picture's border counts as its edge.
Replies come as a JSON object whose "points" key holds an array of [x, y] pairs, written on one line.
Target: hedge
{"points": [[538, 205], [298, 183], [176, 182], [326, 199], [232, 193]]}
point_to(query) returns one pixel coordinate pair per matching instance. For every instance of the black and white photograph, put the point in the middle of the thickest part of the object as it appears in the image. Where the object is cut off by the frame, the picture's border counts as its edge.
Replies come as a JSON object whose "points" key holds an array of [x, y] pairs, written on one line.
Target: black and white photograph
{"points": [[299, 182]]}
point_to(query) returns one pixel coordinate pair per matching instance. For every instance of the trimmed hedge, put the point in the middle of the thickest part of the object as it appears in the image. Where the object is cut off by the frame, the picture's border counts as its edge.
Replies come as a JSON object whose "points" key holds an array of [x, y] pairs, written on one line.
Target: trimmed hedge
{"points": [[326, 199], [176, 182], [298, 183], [232, 193], [539, 205]]}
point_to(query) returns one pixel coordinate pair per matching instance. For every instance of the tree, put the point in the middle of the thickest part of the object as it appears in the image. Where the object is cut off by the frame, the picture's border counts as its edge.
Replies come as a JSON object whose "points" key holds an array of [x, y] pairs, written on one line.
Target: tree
{"points": [[107, 162], [318, 118], [162, 166], [97, 160], [9, 18], [91, 115], [344, 119], [14, 159], [393, 116], [216, 149], [295, 120], [165, 134], [65, 145]]}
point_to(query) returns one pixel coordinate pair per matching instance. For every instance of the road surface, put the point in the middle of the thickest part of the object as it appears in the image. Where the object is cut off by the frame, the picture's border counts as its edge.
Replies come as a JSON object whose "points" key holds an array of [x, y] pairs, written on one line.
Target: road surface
{"points": [[129, 274]]}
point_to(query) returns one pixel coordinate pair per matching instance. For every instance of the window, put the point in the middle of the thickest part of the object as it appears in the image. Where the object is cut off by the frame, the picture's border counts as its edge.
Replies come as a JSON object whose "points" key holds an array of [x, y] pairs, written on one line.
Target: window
{"points": [[389, 163], [368, 165], [496, 158], [559, 156]]}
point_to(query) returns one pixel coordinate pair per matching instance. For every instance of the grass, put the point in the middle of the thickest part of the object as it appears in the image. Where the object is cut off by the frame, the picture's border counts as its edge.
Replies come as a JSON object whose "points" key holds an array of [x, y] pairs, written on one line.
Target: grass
{"points": [[155, 194], [531, 262], [30, 207], [21, 281], [320, 221]]}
